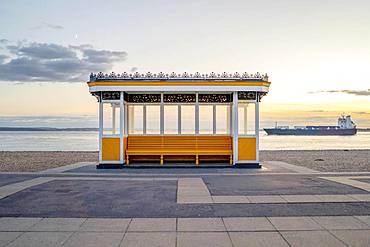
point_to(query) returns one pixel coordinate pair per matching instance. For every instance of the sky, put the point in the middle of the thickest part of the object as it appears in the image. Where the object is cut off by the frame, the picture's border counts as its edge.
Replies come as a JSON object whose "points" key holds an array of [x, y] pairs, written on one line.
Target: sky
{"points": [[316, 53]]}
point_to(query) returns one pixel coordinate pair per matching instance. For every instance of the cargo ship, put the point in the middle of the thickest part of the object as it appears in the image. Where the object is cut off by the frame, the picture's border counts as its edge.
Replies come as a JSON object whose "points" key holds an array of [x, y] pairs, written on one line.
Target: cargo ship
{"points": [[344, 127]]}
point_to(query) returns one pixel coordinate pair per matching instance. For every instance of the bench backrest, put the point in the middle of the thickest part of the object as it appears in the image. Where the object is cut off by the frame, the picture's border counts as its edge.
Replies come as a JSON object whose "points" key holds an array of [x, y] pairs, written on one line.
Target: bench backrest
{"points": [[179, 143]]}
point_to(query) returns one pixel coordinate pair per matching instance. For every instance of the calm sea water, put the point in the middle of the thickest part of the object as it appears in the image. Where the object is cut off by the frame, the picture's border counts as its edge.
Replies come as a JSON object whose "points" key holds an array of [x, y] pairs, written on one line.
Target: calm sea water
{"points": [[88, 141]]}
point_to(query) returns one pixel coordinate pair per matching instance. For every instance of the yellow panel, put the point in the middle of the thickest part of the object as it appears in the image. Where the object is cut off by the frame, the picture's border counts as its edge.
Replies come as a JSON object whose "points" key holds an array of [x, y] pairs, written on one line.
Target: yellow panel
{"points": [[110, 149], [246, 148]]}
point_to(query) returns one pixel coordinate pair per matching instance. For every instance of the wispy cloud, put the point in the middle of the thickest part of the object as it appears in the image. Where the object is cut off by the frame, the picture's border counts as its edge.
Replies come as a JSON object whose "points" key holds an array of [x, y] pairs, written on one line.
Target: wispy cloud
{"points": [[47, 25], [43, 62], [352, 92]]}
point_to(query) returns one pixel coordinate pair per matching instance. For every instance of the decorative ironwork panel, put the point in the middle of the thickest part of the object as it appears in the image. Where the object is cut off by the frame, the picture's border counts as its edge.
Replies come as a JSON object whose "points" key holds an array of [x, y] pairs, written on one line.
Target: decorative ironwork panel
{"points": [[96, 95], [247, 95], [111, 95], [179, 98], [144, 98], [178, 76], [260, 95], [214, 98]]}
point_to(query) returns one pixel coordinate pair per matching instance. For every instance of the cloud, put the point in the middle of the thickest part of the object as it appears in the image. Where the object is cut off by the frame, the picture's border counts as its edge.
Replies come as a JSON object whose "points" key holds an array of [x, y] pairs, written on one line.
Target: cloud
{"points": [[48, 25], [352, 92], [4, 41], [42, 62]]}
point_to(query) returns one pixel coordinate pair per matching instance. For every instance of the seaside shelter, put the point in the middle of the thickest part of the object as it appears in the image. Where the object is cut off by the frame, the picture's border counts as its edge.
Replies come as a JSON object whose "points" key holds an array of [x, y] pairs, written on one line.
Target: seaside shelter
{"points": [[193, 118]]}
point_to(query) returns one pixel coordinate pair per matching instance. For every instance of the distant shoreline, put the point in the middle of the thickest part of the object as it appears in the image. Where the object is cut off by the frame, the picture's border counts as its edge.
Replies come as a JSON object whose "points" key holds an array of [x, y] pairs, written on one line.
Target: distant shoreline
{"points": [[45, 129]]}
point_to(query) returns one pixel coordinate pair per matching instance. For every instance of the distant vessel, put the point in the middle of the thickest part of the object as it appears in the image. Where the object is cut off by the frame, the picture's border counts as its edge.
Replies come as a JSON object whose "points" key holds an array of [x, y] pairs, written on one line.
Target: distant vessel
{"points": [[345, 127]]}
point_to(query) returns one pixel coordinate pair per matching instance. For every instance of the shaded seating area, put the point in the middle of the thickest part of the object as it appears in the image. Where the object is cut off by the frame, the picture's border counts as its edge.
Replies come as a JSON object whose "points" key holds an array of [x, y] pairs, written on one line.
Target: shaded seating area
{"points": [[181, 147], [178, 117]]}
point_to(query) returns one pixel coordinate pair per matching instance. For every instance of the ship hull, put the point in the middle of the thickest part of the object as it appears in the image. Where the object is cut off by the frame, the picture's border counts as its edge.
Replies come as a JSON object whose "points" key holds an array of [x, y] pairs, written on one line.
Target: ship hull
{"points": [[310, 132]]}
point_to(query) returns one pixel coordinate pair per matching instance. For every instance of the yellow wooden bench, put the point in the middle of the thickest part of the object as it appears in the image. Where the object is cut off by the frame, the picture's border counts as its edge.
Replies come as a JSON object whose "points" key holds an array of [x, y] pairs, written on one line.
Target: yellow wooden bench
{"points": [[179, 145]]}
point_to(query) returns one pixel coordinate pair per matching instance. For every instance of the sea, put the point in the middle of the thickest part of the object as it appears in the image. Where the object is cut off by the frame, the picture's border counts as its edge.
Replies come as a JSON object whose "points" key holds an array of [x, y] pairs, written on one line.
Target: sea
{"points": [[88, 141]]}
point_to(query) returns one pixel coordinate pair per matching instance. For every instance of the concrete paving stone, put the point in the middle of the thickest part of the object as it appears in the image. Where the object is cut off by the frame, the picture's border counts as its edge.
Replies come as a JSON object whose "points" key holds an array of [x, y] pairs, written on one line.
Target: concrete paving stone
{"points": [[300, 198], [257, 239], [93, 239], [361, 197], [311, 238], [105, 225], [335, 198], [230, 199], [7, 237], [340, 222], [17, 223], [204, 239], [41, 239], [365, 219], [152, 225], [355, 238], [192, 193], [266, 199], [149, 239], [294, 223], [200, 224], [194, 199], [58, 224], [248, 224]]}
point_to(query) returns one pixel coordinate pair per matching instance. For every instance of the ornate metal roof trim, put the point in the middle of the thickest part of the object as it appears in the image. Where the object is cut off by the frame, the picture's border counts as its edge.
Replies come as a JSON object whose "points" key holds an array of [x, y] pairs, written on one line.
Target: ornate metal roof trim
{"points": [[173, 76]]}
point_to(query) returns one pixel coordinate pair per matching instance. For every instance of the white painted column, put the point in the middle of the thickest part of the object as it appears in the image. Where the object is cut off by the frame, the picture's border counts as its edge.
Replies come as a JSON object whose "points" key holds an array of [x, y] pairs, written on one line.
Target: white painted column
{"points": [[100, 128], [257, 127], [179, 119], [214, 119], [196, 114], [161, 116], [235, 127], [246, 118], [125, 121], [113, 119], [121, 131], [144, 119]]}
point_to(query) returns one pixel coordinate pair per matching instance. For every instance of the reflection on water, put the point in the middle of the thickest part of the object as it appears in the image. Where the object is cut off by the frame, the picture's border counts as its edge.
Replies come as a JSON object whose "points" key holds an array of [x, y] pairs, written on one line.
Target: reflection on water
{"points": [[88, 141]]}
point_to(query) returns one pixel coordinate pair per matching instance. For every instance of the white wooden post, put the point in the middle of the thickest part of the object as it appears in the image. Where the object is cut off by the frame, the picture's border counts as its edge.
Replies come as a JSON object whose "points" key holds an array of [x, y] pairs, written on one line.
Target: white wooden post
{"points": [[235, 127], [100, 128], [113, 119], [214, 120], [121, 119], [257, 127], [161, 116], [196, 114]]}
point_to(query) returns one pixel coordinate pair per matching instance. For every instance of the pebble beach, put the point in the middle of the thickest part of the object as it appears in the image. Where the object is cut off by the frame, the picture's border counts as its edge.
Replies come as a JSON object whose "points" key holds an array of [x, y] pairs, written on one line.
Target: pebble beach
{"points": [[321, 160]]}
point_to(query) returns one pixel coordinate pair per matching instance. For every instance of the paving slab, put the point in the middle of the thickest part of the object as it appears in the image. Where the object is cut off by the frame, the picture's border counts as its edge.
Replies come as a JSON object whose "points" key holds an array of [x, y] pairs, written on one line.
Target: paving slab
{"points": [[41, 239], [300, 198], [266, 199], [152, 224], [17, 223], [93, 239], [230, 199], [311, 238], [340, 222], [257, 239], [105, 225], [294, 223], [7, 237], [204, 239], [200, 224], [355, 238], [361, 197], [335, 198], [149, 239], [58, 224], [365, 219], [194, 199], [248, 224]]}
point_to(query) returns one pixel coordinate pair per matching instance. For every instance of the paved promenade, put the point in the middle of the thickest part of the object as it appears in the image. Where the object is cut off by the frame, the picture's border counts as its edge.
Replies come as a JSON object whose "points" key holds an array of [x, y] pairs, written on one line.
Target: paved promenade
{"points": [[279, 205]]}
